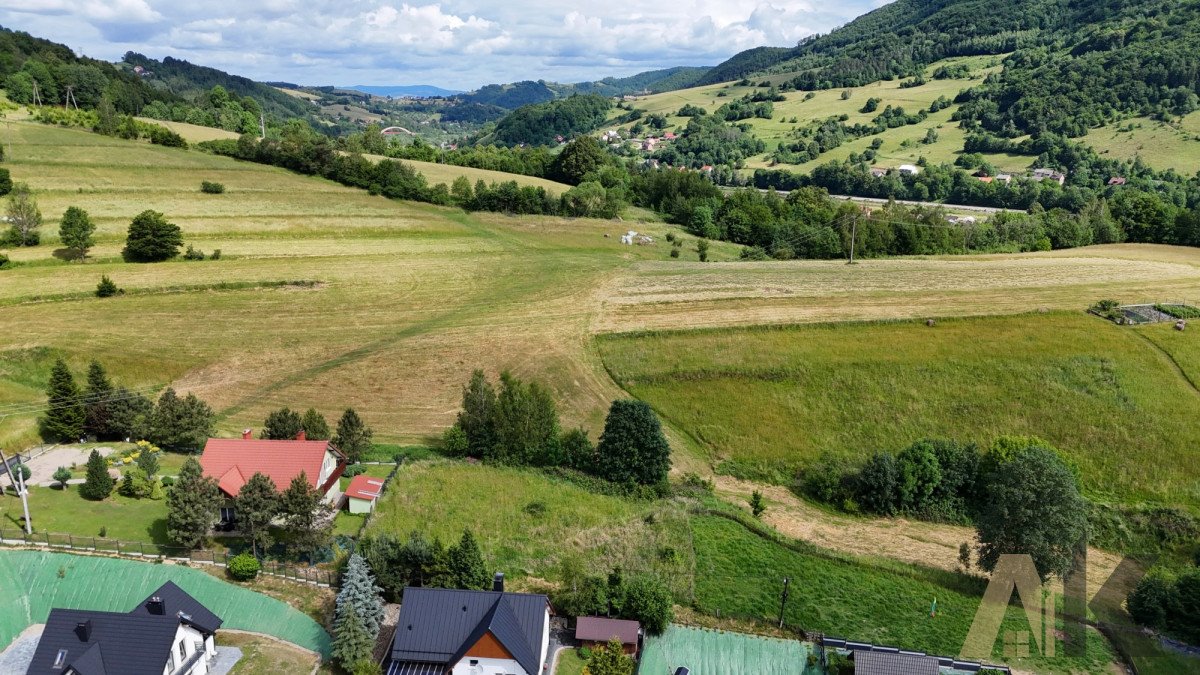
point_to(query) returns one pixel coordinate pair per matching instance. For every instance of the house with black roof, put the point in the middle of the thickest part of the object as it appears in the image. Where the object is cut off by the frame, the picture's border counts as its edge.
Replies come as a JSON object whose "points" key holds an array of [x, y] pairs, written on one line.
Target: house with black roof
{"points": [[453, 632], [169, 633]]}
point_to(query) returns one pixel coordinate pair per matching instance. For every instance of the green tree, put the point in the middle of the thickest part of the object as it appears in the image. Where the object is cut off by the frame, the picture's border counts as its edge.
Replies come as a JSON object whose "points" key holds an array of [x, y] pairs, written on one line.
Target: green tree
{"points": [[360, 592], [257, 505], [1033, 507], [147, 461], [454, 442], [152, 239], [192, 505], [526, 424], [460, 189], [477, 418], [62, 474], [98, 484], [919, 477], [1150, 602], [465, 560], [702, 246], [878, 484], [107, 120], [281, 425], [610, 659], [75, 231], [633, 449], [6, 184], [97, 398], [179, 423], [648, 601], [64, 419], [135, 483], [353, 436], [24, 217], [305, 515], [351, 643], [579, 158], [314, 425], [757, 504], [106, 288]]}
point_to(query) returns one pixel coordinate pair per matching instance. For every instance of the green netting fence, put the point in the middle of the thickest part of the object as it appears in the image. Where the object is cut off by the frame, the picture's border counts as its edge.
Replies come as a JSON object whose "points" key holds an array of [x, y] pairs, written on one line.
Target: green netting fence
{"points": [[710, 652], [36, 581]]}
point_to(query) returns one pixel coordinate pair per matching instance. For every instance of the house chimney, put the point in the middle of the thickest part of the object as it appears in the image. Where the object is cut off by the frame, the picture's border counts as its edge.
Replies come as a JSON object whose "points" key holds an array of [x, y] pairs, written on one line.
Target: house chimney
{"points": [[300, 435], [155, 605], [83, 629], [246, 434], [498, 582]]}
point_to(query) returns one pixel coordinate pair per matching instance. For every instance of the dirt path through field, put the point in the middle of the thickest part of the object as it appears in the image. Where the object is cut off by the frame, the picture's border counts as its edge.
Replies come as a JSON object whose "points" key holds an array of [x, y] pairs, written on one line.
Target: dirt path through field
{"points": [[910, 541]]}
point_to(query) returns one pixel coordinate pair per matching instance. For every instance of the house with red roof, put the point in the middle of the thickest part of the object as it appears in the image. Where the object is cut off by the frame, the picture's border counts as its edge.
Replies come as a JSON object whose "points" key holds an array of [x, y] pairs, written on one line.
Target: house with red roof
{"points": [[232, 461]]}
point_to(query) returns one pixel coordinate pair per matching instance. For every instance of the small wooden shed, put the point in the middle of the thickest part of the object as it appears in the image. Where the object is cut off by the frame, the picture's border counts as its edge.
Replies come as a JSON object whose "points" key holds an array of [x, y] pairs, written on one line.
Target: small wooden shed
{"points": [[595, 631]]}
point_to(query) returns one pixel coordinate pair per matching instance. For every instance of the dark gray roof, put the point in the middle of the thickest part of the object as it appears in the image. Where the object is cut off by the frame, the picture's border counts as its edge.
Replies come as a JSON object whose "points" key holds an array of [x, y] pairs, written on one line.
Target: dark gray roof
{"points": [[439, 625], [177, 603], [118, 643], [126, 643], [880, 663]]}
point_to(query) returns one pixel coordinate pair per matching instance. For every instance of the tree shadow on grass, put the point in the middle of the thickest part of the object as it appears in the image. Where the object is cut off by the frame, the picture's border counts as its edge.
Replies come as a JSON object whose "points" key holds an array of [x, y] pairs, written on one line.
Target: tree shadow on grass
{"points": [[66, 254], [157, 531]]}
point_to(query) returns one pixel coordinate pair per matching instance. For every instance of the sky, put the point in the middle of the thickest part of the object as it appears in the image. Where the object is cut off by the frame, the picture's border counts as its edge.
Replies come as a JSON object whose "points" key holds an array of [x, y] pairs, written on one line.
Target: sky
{"points": [[456, 44]]}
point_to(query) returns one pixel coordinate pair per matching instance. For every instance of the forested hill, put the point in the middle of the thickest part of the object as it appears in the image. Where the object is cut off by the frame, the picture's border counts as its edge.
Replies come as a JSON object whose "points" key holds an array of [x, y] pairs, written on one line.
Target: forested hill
{"points": [[1075, 64], [28, 62], [190, 81]]}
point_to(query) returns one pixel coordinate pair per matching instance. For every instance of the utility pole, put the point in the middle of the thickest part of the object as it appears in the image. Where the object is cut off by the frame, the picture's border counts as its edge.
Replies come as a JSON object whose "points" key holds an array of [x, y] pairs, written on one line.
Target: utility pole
{"points": [[18, 481], [783, 601], [70, 99], [853, 236], [37, 98]]}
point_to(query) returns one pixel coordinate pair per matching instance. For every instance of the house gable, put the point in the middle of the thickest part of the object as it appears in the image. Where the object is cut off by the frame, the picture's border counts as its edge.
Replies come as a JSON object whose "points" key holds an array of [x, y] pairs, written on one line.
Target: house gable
{"points": [[488, 647]]}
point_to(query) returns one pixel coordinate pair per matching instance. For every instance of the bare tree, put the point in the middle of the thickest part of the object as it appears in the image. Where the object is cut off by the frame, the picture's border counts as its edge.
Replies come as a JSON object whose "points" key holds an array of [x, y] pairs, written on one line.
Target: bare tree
{"points": [[24, 217]]}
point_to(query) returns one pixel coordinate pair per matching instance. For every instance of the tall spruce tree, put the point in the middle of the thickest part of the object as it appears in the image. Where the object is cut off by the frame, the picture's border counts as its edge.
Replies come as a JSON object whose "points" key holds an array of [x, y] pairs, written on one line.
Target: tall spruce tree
{"points": [[64, 420], [477, 417], [360, 592], [314, 425], [281, 425], [180, 423], [353, 436], [351, 643], [305, 516], [465, 560], [192, 505], [97, 402], [257, 505], [633, 448], [98, 484]]}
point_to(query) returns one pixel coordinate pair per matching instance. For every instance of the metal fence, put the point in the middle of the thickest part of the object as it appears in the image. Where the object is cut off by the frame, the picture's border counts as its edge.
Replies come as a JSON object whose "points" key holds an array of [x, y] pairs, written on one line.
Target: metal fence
{"points": [[137, 549]]}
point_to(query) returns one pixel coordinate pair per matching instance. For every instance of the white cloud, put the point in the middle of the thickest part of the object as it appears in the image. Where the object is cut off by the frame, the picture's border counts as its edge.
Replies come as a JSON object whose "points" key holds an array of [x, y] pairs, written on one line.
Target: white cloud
{"points": [[457, 43]]}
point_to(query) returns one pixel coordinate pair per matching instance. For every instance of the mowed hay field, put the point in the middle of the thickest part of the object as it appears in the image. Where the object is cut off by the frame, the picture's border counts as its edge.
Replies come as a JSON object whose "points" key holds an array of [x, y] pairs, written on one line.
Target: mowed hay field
{"points": [[409, 298], [772, 400]]}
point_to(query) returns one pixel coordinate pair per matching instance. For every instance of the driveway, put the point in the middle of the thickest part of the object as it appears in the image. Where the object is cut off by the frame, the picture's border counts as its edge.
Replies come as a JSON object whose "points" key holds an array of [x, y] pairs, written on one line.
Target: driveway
{"points": [[43, 466]]}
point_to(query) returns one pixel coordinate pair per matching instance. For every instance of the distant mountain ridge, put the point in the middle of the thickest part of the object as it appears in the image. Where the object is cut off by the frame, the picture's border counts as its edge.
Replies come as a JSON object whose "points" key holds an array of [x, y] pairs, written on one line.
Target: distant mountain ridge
{"points": [[528, 92], [397, 91]]}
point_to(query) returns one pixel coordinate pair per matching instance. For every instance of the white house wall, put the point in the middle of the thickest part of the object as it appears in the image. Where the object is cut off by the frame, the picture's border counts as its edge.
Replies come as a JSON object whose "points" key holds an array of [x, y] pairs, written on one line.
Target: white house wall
{"points": [[190, 637], [485, 666]]}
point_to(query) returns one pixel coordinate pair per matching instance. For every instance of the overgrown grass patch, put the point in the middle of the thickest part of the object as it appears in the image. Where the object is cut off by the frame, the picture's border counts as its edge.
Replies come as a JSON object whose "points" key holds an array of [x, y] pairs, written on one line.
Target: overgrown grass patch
{"points": [[527, 522], [739, 574], [773, 400]]}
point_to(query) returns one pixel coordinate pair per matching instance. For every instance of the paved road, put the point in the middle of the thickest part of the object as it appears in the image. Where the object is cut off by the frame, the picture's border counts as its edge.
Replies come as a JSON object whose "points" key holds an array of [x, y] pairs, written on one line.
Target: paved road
{"points": [[953, 208]]}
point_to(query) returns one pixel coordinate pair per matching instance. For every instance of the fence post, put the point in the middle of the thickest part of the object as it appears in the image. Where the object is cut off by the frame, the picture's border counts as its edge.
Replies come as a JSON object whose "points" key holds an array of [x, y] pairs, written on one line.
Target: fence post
{"points": [[141, 549], [70, 542]]}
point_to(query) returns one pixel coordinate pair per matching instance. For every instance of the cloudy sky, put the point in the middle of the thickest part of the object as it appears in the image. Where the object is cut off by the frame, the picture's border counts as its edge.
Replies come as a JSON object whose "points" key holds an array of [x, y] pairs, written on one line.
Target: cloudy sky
{"points": [[458, 44]]}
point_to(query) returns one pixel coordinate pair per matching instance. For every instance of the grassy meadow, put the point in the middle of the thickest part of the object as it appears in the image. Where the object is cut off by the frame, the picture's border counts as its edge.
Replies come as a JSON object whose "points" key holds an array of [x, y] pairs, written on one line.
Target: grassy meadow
{"points": [[526, 522], [1094, 389]]}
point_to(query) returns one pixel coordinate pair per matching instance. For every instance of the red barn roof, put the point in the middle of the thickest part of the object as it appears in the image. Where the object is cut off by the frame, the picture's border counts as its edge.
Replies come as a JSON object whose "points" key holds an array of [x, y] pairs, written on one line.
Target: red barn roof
{"points": [[600, 629], [363, 486], [232, 461]]}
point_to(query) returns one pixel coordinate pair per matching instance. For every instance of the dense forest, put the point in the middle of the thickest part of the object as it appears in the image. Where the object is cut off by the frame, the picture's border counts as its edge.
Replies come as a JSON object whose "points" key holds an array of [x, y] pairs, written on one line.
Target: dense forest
{"points": [[33, 69], [191, 82], [550, 122]]}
